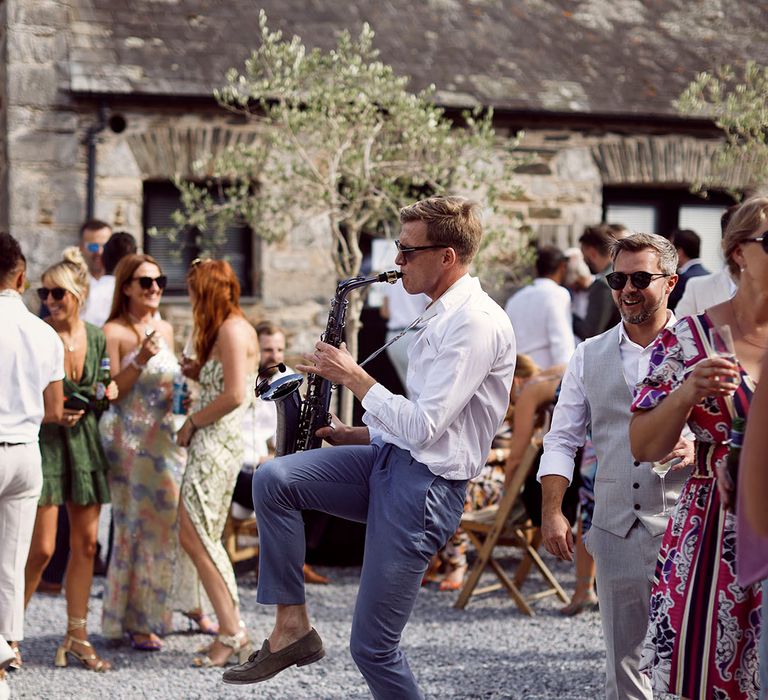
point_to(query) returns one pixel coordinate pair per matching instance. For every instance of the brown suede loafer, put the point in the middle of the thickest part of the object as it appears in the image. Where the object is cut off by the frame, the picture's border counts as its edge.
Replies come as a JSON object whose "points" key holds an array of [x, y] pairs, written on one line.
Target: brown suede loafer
{"points": [[264, 664]]}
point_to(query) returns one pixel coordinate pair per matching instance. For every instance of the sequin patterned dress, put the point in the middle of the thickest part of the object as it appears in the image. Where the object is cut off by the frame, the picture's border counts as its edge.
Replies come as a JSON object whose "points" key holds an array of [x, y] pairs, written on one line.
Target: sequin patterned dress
{"points": [[215, 456], [702, 640], [146, 468]]}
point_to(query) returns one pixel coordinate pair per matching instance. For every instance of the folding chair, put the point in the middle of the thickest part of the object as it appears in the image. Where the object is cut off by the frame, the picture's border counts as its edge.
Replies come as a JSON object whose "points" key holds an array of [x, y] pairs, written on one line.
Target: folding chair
{"points": [[507, 524], [234, 528]]}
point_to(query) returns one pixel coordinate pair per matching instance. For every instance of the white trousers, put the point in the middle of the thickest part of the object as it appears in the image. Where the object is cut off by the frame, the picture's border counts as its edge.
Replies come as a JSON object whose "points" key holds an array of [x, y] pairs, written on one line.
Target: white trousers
{"points": [[21, 479]]}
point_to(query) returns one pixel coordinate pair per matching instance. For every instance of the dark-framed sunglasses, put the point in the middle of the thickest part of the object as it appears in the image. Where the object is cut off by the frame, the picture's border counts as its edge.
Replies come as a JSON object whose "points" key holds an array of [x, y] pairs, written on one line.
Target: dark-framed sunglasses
{"points": [[640, 280], [146, 282], [57, 293], [405, 249], [763, 240]]}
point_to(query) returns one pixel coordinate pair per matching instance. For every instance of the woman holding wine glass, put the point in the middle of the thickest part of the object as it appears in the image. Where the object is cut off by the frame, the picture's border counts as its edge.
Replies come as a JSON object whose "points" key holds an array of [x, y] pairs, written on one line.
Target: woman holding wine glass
{"points": [[139, 437], [703, 630]]}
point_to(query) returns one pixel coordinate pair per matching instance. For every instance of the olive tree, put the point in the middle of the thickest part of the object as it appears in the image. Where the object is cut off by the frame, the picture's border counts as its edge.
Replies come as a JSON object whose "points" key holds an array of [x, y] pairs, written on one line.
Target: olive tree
{"points": [[339, 137], [737, 101]]}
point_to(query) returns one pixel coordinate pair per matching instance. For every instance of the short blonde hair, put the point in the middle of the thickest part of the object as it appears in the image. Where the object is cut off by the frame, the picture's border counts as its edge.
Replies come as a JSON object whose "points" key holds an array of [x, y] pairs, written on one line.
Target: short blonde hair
{"points": [[637, 242], [70, 273], [451, 221], [746, 222]]}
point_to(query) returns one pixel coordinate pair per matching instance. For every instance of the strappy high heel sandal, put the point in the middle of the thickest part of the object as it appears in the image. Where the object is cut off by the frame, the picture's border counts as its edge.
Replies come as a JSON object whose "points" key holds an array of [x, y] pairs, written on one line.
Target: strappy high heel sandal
{"points": [[240, 645], [91, 661]]}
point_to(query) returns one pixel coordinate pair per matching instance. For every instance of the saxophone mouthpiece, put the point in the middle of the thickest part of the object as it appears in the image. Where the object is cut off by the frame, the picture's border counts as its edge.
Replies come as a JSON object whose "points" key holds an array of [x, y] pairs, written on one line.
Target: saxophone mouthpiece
{"points": [[391, 276]]}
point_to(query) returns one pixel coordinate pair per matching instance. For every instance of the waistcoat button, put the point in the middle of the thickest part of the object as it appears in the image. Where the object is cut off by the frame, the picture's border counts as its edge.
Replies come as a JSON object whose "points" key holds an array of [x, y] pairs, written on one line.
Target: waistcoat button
{"points": [[637, 464], [635, 485], [637, 506]]}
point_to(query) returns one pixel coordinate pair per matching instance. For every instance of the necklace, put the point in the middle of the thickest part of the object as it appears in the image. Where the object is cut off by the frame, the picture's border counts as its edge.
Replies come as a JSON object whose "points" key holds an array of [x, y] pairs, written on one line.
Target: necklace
{"points": [[741, 331]]}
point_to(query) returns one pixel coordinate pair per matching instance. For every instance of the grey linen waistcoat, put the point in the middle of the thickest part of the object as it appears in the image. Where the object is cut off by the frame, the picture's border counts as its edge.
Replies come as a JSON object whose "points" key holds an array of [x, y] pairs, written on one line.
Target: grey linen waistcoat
{"points": [[625, 489]]}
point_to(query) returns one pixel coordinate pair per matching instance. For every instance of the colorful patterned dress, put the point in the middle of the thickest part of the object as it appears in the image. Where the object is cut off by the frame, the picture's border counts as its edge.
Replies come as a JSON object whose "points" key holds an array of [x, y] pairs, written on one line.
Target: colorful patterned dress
{"points": [[703, 633], [214, 458], [146, 469]]}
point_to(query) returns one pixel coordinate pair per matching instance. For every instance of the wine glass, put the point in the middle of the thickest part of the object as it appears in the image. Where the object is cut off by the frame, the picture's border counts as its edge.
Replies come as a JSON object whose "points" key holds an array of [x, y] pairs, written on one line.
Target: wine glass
{"points": [[661, 469], [721, 345]]}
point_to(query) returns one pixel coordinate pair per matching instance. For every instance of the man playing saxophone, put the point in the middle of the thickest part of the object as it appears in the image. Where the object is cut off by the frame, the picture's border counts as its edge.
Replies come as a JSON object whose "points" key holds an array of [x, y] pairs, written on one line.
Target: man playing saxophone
{"points": [[404, 472]]}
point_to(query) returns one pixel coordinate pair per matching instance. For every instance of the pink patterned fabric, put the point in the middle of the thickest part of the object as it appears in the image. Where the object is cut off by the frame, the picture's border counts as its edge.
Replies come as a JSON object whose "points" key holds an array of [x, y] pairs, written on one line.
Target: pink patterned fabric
{"points": [[703, 632]]}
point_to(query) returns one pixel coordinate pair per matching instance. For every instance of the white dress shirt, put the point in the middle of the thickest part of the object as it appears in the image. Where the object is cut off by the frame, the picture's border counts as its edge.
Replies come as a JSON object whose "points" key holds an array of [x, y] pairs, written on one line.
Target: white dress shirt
{"points": [[402, 307], [541, 316], [99, 301], [571, 418], [459, 377], [705, 291], [31, 357]]}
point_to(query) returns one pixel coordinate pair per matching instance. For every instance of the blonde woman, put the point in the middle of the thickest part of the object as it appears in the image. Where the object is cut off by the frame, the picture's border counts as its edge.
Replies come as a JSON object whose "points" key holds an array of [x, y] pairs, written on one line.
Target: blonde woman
{"points": [[74, 465]]}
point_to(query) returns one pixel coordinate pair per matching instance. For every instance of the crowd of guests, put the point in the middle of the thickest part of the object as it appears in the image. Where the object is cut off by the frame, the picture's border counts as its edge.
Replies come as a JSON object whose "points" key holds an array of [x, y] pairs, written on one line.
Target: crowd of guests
{"points": [[94, 382], [632, 386]]}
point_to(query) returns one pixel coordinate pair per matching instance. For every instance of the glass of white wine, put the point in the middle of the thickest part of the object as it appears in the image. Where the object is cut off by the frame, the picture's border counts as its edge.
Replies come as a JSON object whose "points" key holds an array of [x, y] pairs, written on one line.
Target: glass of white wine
{"points": [[721, 345], [661, 469]]}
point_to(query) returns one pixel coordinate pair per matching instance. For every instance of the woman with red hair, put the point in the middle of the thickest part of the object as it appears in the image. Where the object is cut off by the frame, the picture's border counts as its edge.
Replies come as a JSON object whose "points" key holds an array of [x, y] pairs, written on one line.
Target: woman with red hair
{"points": [[227, 358]]}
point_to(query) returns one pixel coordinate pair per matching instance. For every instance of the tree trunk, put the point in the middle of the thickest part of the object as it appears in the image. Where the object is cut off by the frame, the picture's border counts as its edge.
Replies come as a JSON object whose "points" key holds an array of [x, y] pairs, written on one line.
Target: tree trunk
{"points": [[351, 330]]}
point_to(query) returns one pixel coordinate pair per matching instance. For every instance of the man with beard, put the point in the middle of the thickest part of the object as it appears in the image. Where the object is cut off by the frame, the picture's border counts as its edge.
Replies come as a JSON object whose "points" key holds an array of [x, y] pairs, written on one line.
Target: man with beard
{"points": [[596, 394]]}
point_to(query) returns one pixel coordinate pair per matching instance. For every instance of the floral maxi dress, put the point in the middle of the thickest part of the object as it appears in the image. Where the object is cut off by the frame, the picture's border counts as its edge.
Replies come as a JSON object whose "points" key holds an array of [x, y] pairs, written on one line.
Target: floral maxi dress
{"points": [[702, 639], [146, 468]]}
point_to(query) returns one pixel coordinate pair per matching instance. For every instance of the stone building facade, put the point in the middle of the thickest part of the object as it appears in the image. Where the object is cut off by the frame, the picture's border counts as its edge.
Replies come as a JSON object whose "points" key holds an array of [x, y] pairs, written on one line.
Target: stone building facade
{"points": [[591, 82]]}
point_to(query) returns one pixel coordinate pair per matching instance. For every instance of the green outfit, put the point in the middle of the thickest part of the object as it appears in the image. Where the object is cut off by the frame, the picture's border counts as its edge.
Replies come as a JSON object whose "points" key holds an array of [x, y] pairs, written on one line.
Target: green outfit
{"points": [[74, 465]]}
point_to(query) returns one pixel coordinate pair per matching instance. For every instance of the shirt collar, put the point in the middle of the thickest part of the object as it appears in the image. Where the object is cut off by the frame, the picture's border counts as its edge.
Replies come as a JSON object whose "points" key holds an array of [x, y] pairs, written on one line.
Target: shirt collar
{"points": [[11, 294], [544, 281], [452, 297], [624, 338]]}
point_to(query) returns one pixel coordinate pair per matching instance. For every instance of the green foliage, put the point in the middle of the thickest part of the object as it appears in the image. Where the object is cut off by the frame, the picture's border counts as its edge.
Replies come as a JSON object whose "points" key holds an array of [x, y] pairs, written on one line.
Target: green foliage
{"points": [[738, 104], [339, 137]]}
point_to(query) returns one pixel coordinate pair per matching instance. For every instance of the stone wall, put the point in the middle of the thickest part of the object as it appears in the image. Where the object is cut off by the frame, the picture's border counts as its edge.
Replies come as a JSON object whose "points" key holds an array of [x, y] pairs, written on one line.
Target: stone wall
{"points": [[3, 120], [43, 190]]}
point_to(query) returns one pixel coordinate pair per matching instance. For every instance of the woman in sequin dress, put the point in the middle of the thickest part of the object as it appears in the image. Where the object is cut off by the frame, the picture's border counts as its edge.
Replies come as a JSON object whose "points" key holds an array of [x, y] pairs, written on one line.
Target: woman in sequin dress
{"points": [[227, 352], [146, 464]]}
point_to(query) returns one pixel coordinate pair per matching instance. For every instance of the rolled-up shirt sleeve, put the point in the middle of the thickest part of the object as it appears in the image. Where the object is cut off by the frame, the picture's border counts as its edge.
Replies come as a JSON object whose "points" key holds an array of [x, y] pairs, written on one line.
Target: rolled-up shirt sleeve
{"points": [[454, 376], [570, 423]]}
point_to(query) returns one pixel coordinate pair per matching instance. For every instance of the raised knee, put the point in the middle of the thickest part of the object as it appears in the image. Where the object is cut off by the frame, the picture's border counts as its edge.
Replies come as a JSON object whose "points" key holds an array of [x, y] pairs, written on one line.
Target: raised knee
{"points": [[268, 479]]}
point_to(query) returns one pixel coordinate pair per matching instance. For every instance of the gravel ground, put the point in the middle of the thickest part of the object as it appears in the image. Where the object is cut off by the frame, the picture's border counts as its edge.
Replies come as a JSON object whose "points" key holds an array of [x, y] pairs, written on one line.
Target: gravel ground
{"points": [[489, 650]]}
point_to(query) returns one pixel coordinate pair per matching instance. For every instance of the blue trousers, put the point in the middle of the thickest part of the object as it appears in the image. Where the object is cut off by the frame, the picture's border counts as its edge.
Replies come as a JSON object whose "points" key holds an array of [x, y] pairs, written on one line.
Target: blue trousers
{"points": [[410, 514]]}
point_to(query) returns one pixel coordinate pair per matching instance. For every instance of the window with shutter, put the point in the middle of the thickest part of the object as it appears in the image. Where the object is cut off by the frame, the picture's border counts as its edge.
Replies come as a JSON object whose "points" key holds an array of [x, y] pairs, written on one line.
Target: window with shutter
{"points": [[161, 199]]}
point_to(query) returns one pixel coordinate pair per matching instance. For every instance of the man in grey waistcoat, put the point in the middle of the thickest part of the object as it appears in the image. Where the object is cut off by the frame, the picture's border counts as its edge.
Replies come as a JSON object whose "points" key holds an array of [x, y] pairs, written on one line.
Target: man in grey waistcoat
{"points": [[596, 395]]}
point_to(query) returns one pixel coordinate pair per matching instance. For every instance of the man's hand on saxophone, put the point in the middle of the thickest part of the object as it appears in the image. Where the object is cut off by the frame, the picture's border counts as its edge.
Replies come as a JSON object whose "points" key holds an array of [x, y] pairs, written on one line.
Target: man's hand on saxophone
{"points": [[338, 366], [338, 433]]}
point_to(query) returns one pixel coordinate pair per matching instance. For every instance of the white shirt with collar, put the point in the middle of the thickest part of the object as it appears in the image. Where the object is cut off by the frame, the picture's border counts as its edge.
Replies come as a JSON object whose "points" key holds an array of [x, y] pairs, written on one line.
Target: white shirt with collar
{"points": [[571, 418], [705, 291], [459, 377], [31, 357], [541, 316], [99, 301]]}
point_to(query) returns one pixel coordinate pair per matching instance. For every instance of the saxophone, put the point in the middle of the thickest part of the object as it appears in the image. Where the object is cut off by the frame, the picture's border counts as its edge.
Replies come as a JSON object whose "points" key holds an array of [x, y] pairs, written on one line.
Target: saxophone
{"points": [[299, 419]]}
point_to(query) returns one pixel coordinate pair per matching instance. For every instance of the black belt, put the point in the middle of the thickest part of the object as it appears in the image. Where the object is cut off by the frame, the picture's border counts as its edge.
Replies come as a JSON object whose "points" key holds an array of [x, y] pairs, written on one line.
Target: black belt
{"points": [[11, 444]]}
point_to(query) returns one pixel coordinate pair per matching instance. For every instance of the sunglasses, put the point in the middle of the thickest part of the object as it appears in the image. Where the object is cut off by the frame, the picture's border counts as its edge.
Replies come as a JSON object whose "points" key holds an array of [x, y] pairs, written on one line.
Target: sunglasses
{"points": [[146, 282], [640, 280], [57, 293], [94, 247], [405, 249], [760, 239]]}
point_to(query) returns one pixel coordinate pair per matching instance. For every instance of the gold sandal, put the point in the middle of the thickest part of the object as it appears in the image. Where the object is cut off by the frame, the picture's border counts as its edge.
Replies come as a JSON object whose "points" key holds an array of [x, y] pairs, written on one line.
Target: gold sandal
{"points": [[91, 661], [239, 644]]}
